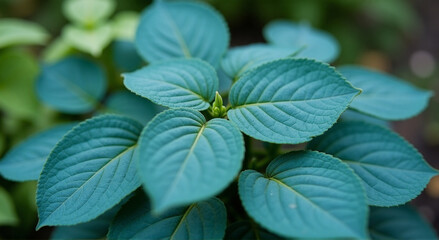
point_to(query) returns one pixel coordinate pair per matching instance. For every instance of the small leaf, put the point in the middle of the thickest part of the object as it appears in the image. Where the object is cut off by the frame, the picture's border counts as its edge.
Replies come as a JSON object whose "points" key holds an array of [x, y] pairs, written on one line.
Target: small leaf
{"points": [[91, 41], [385, 96], [248, 231], [72, 85], [20, 32], [125, 56], [202, 220], [25, 161], [184, 159], [315, 44], [89, 171], [88, 13], [57, 50], [188, 83], [401, 222], [306, 195], [392, 171], [289, 100], [182, 29], [7, 209], [124, 26]]}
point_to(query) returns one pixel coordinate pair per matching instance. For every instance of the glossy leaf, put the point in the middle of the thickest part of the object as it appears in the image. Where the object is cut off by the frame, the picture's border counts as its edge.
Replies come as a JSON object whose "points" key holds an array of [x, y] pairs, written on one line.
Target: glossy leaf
{"points": [[289, 100], [401, 222], [306, 195], [202, 220], [182, 29], [7, 209], [89, 171], [392, 171], [72, 85], [124, 26], [125, 56], [21, 32], [248, 231], [88, 13], [25, 161], [314, 43], [91, 41], [188, 83], [385, 96], [184, 159]]}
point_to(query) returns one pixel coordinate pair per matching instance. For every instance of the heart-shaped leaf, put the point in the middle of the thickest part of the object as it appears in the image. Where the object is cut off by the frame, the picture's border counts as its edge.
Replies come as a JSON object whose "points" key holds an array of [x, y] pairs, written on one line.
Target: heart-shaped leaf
{"points": [[18, 32], [92, 40], [289, 100]]}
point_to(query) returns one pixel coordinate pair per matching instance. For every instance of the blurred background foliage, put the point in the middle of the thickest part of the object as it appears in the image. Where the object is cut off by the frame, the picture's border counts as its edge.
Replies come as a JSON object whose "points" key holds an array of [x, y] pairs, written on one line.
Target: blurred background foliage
{"points": [[397, 36]]}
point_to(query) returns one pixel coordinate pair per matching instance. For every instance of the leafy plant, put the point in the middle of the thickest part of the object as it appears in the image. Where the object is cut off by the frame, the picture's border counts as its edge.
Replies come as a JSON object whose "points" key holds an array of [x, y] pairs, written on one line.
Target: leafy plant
{"points": [[185, 170]]}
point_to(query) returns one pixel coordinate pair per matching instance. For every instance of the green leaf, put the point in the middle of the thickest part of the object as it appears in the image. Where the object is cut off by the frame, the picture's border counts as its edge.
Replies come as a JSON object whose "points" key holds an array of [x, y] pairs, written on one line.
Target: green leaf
{"points": [[289, 100], [88, 13], [25, 161], [21, 32], [2, 144], [125, 56], [184, 159], [188, 83], [124, 25], [385, 96], [392, 171], [89, 171], [182, 29], [57, 50], [202, 220], [316, 44], [401, 222], [72, 85], [306, 195], [7, 209], [244, 230], [91, 41]]}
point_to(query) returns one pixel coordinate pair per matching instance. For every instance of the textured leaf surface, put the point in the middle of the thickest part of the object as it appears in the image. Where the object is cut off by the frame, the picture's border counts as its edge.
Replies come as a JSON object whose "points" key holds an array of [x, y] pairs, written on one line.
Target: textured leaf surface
{"points": [[18, 32], [184, 159], [385, 96], [289, 100], [88, 13], [392, 171], [248, 231], [188, 83], [7, 209], [72, 85], [307, 195], [202, 220], [182, 29], [89, 171], [25, 161], [401, 222], [316, 44], [125, 56], [91, 41]]}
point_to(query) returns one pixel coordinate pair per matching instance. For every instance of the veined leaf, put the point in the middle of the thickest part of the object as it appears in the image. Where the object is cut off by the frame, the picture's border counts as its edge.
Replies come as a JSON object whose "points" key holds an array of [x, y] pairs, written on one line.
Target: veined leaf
{"points": [[315, 44], [182, 29], [19, 32], [289, 100], [91, 41], [188, 83], [248, 231], [306, 195], [7, 209], [25, 161], [125, 55], [88, 13], [124, 26], [72, 85], [385, 96], [89, 171], [392, 171], [184, 159], [202, 220]]}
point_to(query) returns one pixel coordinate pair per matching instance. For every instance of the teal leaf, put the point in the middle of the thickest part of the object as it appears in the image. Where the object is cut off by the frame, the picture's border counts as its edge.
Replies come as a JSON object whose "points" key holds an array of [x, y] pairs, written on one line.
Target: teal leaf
{"points": [[88, 13], [241, 59], [92, 40], [182, 29], [392, 170], [314, 43], [225, 82], [402, 222], [89, 171], [202, 220], [306, 195], [244, 230], [125, 56], [188, 83], [25, 161], [385, 96], [289, 100], [184, 159], [72, 85], [7, 209], [21, 32], [354, 116]]}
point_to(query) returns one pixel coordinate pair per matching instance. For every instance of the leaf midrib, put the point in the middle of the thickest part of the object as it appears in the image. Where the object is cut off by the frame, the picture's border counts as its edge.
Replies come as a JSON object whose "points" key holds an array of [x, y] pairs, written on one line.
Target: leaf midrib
{"points": [[188, 210]]}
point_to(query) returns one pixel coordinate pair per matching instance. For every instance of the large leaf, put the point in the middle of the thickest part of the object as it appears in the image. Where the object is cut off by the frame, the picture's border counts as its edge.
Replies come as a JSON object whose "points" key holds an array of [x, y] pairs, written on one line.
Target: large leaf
{"points": [[88, 13], [89, 171], [72, 85], [188, 83], [392, 171], [25, 161], [7, 209], [182, 29], [184, 159], [306, 195], [401, 222], [385, 96], [315, 44], [248, 231], [202, 220], [289, 100], [91, 41], [16, 32]]}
